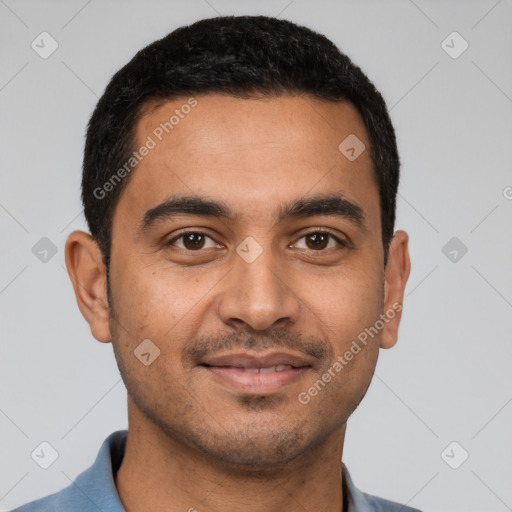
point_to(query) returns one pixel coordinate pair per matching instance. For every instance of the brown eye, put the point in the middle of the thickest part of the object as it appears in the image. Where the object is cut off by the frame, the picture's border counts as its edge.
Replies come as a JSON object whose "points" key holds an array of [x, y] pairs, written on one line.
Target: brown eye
{"points": [[191, 241], [317, 240], [320, 240]]}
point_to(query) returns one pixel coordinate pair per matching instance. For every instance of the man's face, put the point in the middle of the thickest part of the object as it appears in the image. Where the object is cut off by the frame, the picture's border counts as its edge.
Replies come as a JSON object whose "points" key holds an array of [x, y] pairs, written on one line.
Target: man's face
{"points": [[256, 283]]}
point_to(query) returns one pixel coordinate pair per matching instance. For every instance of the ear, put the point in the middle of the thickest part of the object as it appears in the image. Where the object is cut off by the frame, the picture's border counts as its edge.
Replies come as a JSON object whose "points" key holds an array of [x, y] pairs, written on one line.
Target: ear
{"points": [[87, 272], [397, 272]]}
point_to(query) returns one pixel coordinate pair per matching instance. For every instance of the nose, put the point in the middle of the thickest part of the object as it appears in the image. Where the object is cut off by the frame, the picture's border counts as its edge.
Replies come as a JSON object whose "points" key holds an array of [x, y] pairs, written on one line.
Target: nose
{"points": [[259, 294]]}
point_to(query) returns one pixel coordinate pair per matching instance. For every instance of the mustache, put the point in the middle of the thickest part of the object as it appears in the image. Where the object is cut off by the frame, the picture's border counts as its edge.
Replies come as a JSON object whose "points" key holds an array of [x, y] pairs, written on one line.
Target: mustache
{"points": [[199, 348]]}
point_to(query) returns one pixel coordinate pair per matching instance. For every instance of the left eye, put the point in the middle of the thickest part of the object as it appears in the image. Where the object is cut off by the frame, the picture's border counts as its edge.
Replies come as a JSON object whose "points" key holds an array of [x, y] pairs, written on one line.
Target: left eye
{"points": [[320, 240]]}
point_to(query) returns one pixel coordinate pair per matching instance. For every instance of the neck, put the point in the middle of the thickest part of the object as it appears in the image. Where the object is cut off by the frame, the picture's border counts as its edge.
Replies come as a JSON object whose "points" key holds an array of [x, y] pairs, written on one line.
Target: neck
{"points": [[160, 473]]}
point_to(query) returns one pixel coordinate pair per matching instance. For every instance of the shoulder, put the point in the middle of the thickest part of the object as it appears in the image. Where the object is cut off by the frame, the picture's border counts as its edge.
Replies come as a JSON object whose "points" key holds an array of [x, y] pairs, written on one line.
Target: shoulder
{"points": [[56, 502], [359, 501], [377, 504], [93, 489]]}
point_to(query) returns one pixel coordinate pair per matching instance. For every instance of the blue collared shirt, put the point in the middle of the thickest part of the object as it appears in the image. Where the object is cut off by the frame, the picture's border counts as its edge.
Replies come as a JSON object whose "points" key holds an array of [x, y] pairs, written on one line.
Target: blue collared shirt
{"points": [[95, 490]]}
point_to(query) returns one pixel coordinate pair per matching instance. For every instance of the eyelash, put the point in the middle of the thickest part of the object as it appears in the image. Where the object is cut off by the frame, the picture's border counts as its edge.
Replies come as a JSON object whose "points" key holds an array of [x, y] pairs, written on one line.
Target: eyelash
{"points": [[342, 243]]}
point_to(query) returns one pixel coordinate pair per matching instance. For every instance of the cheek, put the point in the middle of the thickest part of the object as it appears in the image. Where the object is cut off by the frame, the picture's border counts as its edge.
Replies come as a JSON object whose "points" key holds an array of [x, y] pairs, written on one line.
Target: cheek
{"points": [[355, 376], [349, 302], [348, 307], [160, 302]]}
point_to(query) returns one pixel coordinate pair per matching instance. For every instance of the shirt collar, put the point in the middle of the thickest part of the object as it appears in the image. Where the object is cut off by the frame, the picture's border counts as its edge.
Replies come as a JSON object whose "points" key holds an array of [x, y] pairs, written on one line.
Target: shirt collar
{"points": [[97, 482], [354, 500]]}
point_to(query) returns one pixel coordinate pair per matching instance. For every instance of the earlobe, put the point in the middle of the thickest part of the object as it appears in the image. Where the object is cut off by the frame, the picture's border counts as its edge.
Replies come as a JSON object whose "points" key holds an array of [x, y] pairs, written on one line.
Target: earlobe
{"points": [[88, 276], [397, 272]]}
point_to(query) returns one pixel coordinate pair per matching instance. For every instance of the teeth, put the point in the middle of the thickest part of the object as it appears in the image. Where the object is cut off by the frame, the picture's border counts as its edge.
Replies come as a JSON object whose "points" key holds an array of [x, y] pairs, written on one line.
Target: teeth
{"points": [[277, 368], [268, 369]]}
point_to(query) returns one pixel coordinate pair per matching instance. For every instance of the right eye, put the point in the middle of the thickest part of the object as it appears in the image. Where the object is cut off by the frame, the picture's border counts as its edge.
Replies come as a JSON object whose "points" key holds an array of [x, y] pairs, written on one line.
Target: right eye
{"points": [[191, 241]]}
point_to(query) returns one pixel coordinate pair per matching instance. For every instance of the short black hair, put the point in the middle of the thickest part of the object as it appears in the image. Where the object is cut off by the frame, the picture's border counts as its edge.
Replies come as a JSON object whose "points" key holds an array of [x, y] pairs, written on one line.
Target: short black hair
{"points": [[242, 56]]}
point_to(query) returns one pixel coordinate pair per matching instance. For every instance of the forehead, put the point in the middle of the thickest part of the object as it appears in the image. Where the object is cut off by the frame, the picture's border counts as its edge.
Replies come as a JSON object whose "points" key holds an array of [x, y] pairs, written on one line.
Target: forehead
{"points": [[248, 151], [213, 123]]}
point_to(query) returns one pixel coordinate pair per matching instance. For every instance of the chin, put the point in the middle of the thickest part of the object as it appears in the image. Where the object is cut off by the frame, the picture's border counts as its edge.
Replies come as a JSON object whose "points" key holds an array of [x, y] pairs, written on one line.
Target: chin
{"points": [[256, 453], [256, 448]]}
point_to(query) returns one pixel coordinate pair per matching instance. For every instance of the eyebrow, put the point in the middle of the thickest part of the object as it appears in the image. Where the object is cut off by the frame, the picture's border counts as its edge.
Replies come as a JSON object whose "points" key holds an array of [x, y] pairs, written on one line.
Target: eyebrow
{"points": [[326, 205]]}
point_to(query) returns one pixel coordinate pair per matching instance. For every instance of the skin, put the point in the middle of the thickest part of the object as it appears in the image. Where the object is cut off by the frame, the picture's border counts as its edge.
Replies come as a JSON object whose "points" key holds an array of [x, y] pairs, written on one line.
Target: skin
{"points": [[195, 442]]}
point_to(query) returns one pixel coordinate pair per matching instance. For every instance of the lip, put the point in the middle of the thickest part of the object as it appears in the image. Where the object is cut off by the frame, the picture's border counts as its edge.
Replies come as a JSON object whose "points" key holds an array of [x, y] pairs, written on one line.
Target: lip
{"points": [[257, 360], [241, 370]]}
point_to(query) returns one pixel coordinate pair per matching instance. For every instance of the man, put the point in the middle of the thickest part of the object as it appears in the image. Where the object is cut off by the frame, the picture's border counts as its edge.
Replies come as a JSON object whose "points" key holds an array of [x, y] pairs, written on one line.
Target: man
{"points": [[239, 183]]}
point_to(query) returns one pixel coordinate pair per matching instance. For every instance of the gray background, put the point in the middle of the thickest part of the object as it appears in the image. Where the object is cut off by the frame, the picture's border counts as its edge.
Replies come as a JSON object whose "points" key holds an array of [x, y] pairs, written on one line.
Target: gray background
{"points": [[449, 377]]}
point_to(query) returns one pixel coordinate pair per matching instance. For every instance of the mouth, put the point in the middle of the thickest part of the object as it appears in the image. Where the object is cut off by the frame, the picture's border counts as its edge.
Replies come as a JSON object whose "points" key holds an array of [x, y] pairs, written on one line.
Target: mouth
{"points": [[257, 374]]}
